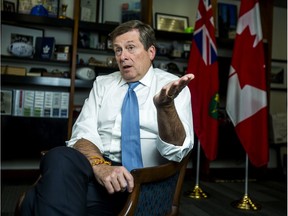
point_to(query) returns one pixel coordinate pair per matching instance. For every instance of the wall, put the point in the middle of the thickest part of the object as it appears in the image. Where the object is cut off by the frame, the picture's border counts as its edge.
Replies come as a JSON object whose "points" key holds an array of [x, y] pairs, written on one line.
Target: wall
{"points": [[278, 99]]}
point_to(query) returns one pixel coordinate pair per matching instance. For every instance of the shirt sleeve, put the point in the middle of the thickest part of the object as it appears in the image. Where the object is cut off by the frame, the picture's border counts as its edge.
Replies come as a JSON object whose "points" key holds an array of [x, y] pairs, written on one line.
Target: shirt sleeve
{"points": [[184, 110], [86, 125]]}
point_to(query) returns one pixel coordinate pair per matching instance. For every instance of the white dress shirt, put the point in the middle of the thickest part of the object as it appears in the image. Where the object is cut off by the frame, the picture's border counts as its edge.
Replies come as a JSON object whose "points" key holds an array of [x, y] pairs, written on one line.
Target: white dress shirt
{"points": [[100, 118]]}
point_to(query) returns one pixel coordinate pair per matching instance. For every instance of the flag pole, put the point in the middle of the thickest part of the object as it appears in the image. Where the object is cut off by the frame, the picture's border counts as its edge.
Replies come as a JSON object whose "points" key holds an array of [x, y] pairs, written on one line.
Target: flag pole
{"points": [[197, 192], [246, 203]]}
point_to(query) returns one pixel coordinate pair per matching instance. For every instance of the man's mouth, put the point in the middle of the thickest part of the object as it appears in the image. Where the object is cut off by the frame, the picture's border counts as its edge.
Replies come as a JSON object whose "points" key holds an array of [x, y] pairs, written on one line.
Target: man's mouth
{"points": [[126, 67]]}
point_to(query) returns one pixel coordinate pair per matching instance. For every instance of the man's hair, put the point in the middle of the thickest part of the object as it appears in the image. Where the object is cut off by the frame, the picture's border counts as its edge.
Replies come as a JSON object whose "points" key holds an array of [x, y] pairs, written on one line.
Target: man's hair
{"points": [[146, 32]]}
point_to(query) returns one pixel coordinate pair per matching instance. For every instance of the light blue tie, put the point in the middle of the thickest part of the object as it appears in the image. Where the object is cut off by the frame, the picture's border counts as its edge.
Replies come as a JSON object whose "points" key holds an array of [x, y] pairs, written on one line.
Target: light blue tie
{"points": [[130, 130]]}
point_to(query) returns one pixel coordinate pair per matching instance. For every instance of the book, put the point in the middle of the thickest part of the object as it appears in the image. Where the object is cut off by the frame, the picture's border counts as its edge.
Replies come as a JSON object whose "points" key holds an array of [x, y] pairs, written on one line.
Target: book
{"points": [[64, 107], [48, 98], [56, 104], [28, 102], [44, 47], [6, 102], [17, 71], [18, 96], [38, 110]]}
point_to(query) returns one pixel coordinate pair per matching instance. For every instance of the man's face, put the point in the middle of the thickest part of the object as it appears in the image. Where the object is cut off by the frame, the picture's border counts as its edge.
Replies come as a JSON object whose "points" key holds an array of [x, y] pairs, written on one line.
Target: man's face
{"points": [[132, 59]]}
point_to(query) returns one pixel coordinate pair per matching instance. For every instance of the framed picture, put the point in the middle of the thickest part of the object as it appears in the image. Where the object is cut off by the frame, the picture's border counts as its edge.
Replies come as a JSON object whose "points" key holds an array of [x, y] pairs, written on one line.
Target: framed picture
{"points": [[25, 6], [11, 33], [9, 5], [89, 10], [6, 102], [278, 75], [172, 23]]}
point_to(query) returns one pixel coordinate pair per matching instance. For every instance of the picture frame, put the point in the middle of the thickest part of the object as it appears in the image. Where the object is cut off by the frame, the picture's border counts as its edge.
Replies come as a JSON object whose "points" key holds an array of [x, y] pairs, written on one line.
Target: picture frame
{"points": [[9, 6], [25, 6], [9, 31], [6, 102], [89, 10], [278, 74], [171, 23]]}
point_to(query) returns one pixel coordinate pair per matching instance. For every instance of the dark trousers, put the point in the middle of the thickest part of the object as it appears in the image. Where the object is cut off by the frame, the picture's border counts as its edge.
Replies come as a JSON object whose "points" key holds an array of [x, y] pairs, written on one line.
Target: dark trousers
{"points": [[67, 187]]}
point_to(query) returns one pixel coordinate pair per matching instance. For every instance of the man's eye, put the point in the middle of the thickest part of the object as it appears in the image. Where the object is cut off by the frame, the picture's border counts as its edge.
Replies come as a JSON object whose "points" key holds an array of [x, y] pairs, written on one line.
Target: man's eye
{"points": [[130, 48], [118, 51]]}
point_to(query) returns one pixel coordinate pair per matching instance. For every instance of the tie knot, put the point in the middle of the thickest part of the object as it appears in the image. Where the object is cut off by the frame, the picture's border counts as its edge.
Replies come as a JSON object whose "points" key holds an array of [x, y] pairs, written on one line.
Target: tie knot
{"points": [[133, 85]]}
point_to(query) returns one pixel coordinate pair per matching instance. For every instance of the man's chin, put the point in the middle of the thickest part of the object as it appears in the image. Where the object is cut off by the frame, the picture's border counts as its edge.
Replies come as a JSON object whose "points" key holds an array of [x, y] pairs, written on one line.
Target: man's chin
{"points": [[129, 76]]}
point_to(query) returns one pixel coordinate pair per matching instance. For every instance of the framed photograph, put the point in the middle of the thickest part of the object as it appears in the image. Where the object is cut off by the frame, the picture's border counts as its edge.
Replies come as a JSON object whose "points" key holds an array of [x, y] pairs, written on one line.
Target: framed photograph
{"points": [[9, 5], [11, 33], [278, 75], [25, 6], [6, 102], [172, 23], [89, 10]]}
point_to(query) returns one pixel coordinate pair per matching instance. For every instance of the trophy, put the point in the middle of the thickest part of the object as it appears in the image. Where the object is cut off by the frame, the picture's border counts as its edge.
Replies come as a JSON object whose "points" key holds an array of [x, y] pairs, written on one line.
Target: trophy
{"points": [[63, 11]]}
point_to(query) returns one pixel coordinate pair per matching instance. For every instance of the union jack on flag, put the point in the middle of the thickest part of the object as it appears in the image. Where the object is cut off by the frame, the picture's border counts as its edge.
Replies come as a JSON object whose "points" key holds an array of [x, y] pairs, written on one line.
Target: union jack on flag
{"points": [[204, 32], [204, 88]]}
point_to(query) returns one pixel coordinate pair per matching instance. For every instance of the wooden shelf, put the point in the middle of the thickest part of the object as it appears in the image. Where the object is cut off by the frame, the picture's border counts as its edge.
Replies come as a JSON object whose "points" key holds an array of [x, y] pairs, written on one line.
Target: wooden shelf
{"points": [[104, 28], [44, 81], [16, 18], [173, 36], [5, 58], [96, 51]]}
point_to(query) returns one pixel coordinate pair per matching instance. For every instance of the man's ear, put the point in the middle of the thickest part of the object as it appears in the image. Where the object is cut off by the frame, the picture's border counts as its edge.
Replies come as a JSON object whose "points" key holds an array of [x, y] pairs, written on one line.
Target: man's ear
{"points": [[152, 52]]}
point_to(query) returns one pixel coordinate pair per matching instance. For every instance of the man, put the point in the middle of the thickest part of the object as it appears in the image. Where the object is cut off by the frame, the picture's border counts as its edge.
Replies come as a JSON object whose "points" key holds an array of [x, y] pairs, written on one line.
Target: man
{"points": [[79, 180]]}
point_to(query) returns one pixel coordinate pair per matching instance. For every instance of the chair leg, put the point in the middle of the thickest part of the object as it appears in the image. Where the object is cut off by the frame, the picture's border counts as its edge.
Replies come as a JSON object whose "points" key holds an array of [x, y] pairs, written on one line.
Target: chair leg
{"points": [[17, 211]]}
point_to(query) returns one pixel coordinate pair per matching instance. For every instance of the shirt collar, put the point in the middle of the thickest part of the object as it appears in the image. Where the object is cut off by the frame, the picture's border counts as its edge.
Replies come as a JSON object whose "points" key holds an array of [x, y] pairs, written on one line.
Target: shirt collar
{"points": [[147, 79]]}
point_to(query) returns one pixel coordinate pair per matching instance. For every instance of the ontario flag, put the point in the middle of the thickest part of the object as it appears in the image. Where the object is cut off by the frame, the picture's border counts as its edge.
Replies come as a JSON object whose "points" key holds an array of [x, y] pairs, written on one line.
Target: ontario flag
{"points": [[204, 88], [246, 93]]}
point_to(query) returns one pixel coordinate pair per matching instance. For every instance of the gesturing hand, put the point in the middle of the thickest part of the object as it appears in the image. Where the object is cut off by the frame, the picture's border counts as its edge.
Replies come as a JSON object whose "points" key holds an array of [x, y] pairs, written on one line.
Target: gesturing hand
{"points": [[171, 90], [114, 178]]}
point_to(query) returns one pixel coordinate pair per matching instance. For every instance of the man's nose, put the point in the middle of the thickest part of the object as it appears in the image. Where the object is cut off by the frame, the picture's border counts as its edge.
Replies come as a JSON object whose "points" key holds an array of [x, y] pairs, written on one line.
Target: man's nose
{"points": [[124, 55]]}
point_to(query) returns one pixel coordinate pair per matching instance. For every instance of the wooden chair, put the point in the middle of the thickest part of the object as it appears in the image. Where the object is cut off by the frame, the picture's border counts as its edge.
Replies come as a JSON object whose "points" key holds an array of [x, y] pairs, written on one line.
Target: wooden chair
{"points": [[157, 190]]}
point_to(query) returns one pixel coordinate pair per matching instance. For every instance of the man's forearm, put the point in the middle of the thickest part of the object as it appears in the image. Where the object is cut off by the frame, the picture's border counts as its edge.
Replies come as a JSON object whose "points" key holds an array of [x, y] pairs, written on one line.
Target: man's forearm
{"points": [[170, 127], [87, 148]]}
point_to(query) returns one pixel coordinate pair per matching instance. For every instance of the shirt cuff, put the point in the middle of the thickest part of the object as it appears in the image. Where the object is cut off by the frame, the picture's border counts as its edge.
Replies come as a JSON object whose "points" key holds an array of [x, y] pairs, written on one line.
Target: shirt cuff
{"points": [[172, 152]]}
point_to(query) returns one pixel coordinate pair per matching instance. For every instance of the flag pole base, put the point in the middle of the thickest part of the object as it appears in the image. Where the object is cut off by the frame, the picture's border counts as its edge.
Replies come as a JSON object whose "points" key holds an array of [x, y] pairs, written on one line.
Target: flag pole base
{"points": [[196, 193], [246, 204]]}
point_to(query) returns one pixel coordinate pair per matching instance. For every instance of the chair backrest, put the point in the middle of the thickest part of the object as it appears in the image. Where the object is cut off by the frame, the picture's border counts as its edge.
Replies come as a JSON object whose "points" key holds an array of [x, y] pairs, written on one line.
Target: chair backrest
{"points": [[157, 190]]}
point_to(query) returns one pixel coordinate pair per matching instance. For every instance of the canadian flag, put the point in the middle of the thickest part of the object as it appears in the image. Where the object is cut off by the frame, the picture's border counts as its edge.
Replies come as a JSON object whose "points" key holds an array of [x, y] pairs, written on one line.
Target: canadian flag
{"points": [[246, 93]]}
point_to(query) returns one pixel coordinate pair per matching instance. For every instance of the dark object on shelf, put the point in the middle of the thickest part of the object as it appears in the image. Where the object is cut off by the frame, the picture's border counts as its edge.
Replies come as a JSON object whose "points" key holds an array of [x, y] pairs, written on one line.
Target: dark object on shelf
{"points": [[44, 47], [36, 72], [227, 20]]}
